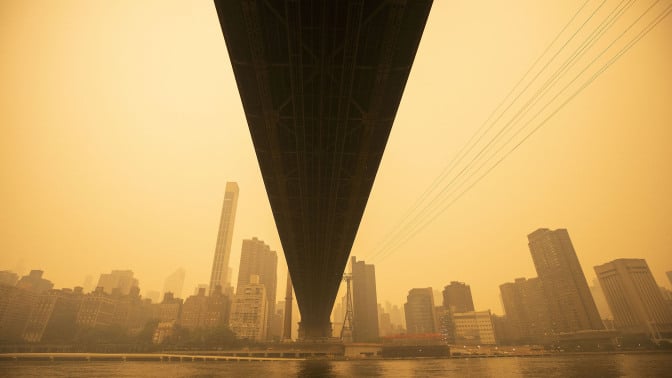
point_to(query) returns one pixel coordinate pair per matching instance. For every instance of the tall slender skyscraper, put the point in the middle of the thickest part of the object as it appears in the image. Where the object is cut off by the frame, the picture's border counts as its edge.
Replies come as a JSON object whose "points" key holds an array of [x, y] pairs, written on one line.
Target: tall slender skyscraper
{"points": [[634, 297], [257, 259], [220, 264], [565, 287], [364, 301]]}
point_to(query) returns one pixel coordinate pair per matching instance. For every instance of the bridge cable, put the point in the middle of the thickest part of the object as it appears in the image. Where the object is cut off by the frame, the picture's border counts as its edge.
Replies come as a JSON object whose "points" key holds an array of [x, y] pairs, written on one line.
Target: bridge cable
{"points": [[441, 210], [546, 65], [645, 31], [471, 143], [454, 185]]}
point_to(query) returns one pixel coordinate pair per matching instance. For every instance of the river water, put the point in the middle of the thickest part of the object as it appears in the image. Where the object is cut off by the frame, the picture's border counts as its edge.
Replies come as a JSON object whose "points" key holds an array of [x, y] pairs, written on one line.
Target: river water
{"points": [[603, 365]]}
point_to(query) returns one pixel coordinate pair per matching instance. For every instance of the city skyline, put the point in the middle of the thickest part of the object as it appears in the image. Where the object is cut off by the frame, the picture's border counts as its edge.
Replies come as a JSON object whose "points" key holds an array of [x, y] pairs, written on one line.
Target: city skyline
{"points": [[124, 164], [537, 309]]}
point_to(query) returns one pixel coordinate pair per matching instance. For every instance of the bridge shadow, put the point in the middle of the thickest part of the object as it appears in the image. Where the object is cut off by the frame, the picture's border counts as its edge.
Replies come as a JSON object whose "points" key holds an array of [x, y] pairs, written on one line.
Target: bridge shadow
{"points": [[318, 368]]}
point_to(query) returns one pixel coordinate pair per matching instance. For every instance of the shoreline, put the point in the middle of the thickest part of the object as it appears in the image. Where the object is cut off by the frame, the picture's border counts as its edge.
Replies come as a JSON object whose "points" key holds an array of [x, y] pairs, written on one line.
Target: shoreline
{"points": [[173, 357]]}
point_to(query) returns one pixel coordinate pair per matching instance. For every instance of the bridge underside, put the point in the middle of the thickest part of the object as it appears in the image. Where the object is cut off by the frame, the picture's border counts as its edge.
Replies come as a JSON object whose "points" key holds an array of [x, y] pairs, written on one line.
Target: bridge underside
{"points": [[320, 83]]}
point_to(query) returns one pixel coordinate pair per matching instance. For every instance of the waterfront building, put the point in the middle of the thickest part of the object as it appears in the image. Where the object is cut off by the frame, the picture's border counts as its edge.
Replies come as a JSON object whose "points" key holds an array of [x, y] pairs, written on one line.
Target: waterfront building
{"points": [[275, 322], [474, 328], [634, 297], [526, 310], [457, 297], [97, 309], [445, 324], [201, 311], [420, 312], [504, 332], [131, 312], [169, 309], [570, 305], [53, 316], [15, 307], [249, 312], [258, 260], [364, 302], [164, 331]]}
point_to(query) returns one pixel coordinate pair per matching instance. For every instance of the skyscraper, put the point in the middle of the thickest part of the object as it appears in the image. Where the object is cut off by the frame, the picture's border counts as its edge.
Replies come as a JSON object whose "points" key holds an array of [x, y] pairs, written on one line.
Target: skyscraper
{"points": [[457, 297], [526, 310], [669, 276], [570, 304], [174, 283], [364, 301], [420, 312], [257, 259], [634, 297], [220, 264]]}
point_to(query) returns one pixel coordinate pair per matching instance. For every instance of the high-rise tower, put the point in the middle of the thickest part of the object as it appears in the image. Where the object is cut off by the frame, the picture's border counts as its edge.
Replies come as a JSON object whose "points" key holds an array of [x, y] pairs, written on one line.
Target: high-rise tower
{"points": [[249, 313], [565, 287], [634, 297], [526, 310], [220, 264], [365, 302], [174, 283], [457, 297], [257, 259], [420, 312]]}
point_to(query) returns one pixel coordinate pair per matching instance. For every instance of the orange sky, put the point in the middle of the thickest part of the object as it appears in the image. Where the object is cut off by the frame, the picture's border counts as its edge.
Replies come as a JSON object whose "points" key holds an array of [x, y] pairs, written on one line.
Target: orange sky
{"points": [[121, 123]]}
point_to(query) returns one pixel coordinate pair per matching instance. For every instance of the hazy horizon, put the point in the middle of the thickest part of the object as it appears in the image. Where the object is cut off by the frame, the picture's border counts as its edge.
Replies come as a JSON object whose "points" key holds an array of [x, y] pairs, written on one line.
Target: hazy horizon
{"points": [[122, 124]]}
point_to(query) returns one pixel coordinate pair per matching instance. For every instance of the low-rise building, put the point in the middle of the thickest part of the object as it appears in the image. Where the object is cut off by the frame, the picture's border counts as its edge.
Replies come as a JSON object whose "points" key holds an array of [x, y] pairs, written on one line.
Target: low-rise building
{"points": [[474, 328], [249, 313]]}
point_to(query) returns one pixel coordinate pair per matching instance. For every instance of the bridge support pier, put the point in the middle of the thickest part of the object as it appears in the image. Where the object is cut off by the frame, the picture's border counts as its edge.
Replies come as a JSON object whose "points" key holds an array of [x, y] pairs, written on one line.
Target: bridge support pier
{"points": [[314, 331]]}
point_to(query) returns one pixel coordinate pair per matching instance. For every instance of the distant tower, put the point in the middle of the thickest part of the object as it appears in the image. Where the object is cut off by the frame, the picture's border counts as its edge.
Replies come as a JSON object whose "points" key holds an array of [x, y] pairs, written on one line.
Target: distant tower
{"points": [[118, 279], [365, 302], [174, 283], [457, 297], [571, 306], [220, 264], [287, 323], [347, 328], [635, 300]]}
